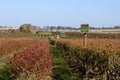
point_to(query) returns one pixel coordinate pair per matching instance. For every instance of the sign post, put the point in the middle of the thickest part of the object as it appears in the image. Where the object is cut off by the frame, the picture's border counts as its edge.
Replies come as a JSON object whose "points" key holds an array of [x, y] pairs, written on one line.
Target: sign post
{"points": [[85, 29]]}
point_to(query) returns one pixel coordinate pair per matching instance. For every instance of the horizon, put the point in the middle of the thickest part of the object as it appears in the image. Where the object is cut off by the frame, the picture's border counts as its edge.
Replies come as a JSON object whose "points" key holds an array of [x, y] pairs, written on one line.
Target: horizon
{"points": [[63, 12]]}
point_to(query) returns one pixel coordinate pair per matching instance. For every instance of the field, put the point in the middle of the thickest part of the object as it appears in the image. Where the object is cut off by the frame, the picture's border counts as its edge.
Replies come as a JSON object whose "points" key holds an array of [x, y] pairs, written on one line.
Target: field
{"points": [[96, 44], [100, 59], [39, 57], [24, 59]]}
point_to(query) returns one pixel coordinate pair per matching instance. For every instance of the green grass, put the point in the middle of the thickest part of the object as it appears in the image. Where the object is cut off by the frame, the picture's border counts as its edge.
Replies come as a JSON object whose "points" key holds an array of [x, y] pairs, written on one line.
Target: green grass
{"points": [[60, 68], [4, 73]]}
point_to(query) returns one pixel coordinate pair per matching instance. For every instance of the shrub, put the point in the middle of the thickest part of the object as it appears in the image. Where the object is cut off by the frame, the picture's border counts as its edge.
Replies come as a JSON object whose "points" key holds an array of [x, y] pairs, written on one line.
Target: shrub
{"points": [[36, 61], [99, 60]]}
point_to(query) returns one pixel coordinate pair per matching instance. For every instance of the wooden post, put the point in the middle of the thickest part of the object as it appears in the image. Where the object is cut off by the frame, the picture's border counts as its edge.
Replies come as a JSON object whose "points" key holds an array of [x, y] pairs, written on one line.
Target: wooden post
{"points": [[85, 29], [85, 39]]}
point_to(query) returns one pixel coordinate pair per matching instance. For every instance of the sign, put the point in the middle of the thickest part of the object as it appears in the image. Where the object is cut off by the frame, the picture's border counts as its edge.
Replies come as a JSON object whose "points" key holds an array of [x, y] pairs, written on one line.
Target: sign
{"points": [[84, 28]]}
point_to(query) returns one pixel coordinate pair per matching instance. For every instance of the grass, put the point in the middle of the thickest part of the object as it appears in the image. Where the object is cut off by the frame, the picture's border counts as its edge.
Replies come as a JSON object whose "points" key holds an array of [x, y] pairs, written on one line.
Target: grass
{"points": [[60, 69], [4, 73]]}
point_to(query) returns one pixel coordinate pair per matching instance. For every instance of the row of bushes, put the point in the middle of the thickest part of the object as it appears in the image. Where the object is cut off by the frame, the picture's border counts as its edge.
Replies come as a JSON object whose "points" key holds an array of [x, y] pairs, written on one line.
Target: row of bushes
{"points": [[88, 63], [11, 45], [17, 35], [35, 63], [93, 35]]}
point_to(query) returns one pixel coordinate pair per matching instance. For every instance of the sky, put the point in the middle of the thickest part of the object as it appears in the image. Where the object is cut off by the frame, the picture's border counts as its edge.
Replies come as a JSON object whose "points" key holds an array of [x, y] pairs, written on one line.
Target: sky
{"points": [[96, 13]]}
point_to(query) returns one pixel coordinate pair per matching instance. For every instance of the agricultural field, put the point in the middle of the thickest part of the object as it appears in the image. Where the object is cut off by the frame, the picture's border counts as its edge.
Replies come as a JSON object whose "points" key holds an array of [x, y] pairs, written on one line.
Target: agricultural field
{"points": [[34, 57], [76, 35], [27, 35], [96, 44], [25, 59], [99, 60]]}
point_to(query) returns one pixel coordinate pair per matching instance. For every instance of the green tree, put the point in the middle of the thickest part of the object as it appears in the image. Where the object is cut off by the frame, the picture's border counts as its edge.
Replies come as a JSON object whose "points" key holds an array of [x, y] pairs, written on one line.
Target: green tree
{"points": [[26, 28]]}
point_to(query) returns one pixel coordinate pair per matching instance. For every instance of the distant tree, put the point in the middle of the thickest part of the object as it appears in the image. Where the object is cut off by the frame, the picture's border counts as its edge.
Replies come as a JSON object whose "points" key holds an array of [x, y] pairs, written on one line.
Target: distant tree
{"points": [[52, 28], [116, 27], [39, 29], [1, 26], [26, 28], [68, 27]]}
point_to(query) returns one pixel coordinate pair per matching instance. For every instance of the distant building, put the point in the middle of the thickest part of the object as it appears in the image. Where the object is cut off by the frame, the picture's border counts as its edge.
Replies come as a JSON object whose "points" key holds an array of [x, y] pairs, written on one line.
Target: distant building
{"points": [[3, 29]]}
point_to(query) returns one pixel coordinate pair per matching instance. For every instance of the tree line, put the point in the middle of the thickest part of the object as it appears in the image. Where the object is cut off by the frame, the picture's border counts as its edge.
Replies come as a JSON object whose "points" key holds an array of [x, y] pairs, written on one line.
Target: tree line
{"points": [[30, 28]]}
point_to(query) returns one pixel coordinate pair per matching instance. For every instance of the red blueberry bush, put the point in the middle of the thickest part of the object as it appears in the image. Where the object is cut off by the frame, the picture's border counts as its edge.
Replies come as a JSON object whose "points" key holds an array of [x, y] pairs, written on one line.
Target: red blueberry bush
{"points": [[100, 59], [35, 60], [15, 45]]}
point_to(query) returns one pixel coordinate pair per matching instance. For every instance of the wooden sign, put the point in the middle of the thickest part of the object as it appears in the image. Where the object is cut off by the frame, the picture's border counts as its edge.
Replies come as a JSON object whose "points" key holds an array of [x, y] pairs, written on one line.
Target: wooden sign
{"points": [[84, 28]]}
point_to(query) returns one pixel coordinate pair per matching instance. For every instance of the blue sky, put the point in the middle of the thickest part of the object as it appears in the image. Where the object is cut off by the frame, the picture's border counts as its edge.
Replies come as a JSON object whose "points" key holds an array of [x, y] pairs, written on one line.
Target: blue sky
{"points": [[98, 13]]}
